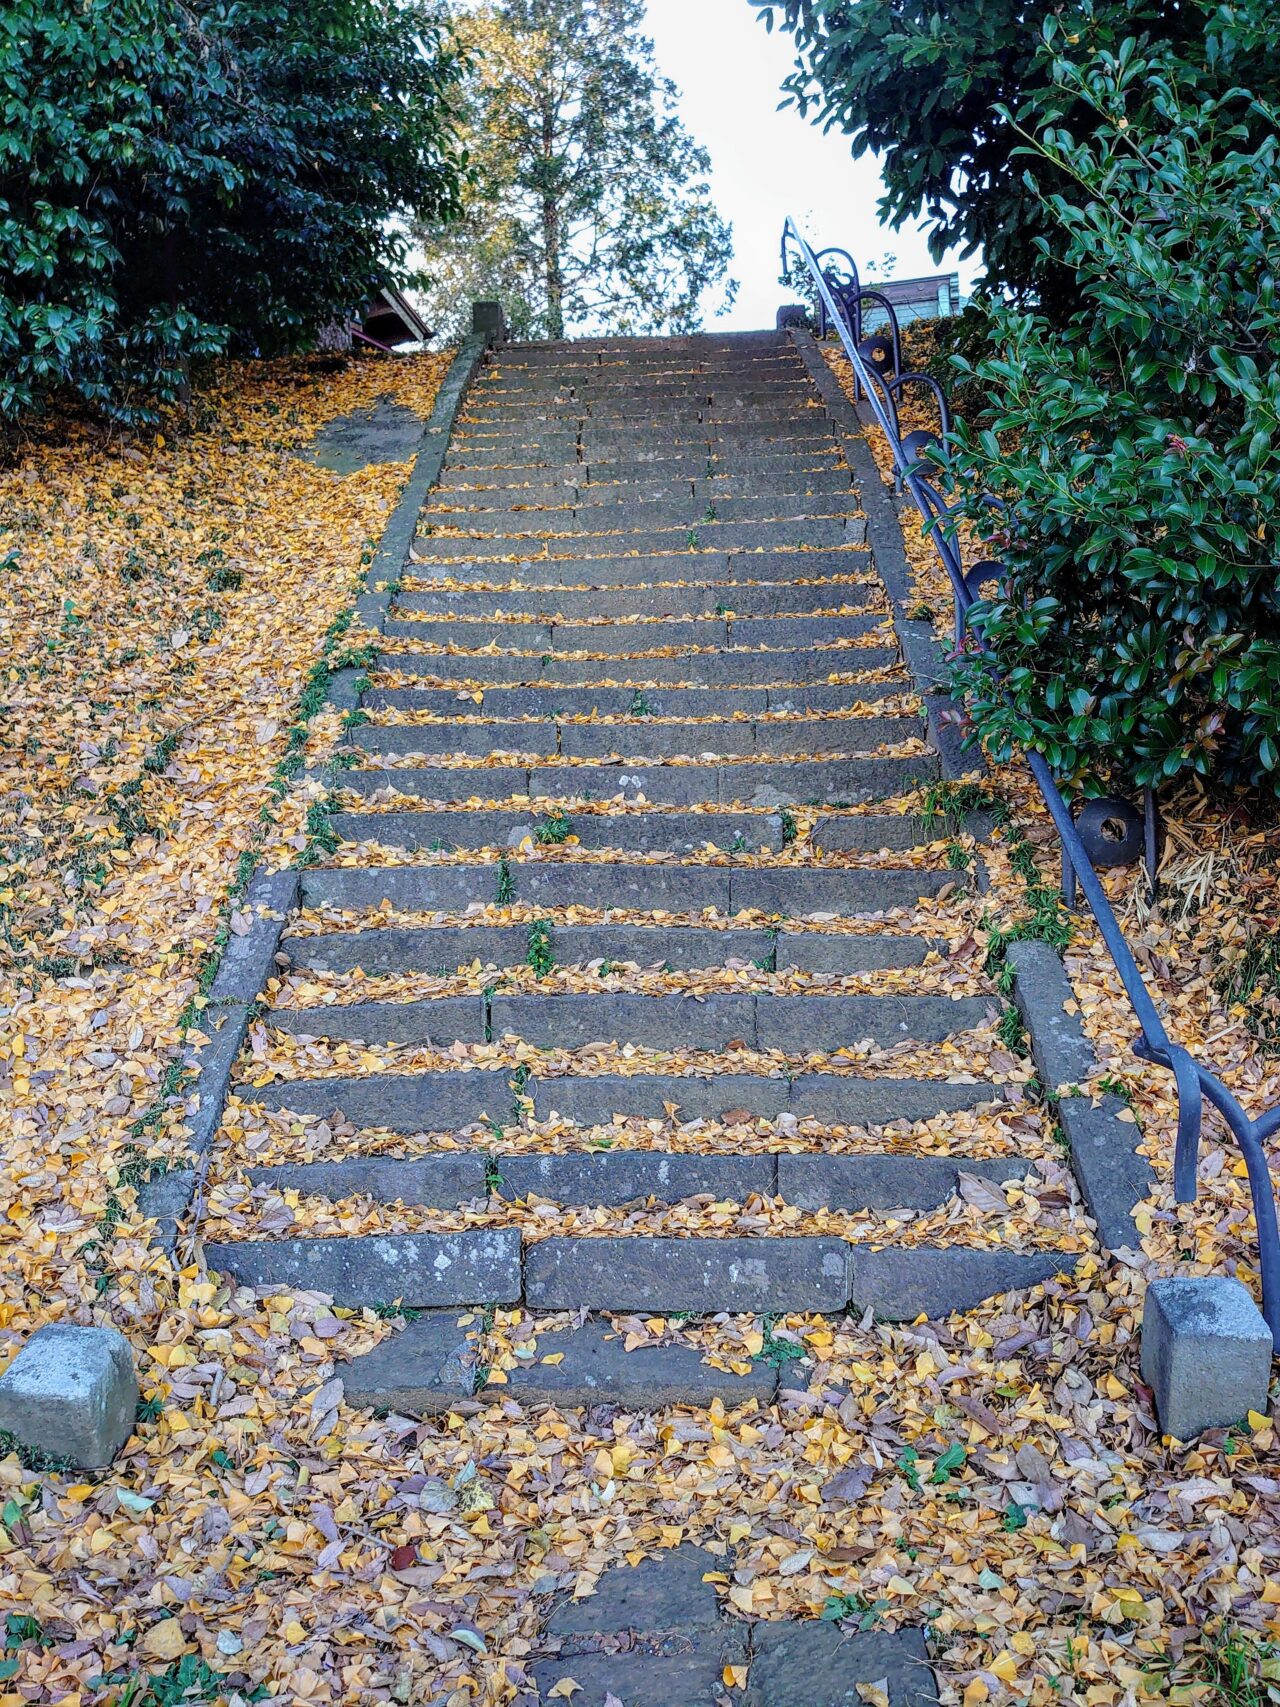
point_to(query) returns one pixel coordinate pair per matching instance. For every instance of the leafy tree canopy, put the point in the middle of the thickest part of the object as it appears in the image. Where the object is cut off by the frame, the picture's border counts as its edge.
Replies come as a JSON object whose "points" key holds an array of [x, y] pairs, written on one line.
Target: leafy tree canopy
{"points": [[940, 88], [588, 206], [180, 177], [1137, 447]]}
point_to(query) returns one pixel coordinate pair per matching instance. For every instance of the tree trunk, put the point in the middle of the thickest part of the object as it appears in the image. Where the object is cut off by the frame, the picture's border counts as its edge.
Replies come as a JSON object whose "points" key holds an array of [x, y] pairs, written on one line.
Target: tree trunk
{"points": [[551, 230]]}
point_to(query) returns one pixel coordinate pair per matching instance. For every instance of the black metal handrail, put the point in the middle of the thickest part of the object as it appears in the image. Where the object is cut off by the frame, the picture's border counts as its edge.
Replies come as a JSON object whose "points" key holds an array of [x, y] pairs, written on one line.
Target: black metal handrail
{"points": [[878, 375]]}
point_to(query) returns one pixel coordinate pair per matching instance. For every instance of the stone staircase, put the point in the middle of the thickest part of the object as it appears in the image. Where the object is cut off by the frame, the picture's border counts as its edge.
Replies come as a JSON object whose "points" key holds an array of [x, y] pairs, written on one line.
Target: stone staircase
{"points": [[637, 986]]}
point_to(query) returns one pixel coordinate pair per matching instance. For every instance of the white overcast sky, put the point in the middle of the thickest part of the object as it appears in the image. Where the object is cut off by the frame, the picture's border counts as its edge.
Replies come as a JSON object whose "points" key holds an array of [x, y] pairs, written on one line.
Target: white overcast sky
{"points": [[765, 163]]}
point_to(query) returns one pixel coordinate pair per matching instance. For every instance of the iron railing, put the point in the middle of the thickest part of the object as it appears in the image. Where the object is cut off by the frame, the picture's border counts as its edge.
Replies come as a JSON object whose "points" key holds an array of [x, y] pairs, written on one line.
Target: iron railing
{"points": [[880, 378]]}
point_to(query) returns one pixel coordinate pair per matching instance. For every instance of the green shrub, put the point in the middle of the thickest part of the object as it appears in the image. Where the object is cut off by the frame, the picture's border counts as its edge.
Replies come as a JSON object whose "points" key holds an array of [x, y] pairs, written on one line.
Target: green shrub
{"points": [[180, 179], [924, 86], [1137, 638]]}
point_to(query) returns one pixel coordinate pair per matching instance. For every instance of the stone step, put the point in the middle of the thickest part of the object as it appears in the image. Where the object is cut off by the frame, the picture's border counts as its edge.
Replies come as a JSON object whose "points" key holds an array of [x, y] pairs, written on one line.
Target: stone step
{"points": [[620, 639], [712, 598], [444, 949], [785, 891], [770, 466], [704, 536], [701, 1277], [619, 514], [549, 379], [637, 832], [641, 738], [785, 670], [684, 415], [696, 1276], [553, 701], [570, 436], [418, 1270], [613, 1178], [421, 1371], [413, 1103], [595, 1368], [601, 442], [430, 1364], [749, 783], [793, 1024], [789, 383], [691, 568]]}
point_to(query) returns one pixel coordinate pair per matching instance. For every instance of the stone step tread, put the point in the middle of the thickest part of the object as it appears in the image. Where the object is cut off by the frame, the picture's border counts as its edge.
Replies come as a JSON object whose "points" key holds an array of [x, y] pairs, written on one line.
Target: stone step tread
{"points": [[702, 1276], [624, 1273], [784, 891], [560, 517], [618, 639], [445, 948], [429, 1366], [792, 1024], [851, 781], [787, 566], [420, 1103], [757, 472], [612, 1178], [627, 1634], [559, 605], [420, 1270], [708, 536], [641, 739], [549, 701], [634, 832], [784, 670]]}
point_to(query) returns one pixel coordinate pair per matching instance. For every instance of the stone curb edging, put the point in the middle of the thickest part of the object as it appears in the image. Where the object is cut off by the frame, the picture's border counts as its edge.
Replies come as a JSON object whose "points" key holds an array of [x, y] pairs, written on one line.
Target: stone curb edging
{"points": [[248, 960], [374, 603], [884, 536], [1111, 1174], [245, 967]]}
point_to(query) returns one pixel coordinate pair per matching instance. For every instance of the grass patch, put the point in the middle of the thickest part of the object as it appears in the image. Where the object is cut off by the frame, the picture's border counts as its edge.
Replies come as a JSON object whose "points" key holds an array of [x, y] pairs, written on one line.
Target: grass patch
{"points": [[1252, 985]]}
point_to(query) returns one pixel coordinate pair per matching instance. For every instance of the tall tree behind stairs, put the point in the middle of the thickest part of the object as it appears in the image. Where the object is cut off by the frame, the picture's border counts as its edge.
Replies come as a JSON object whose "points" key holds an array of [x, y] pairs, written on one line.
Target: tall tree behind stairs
{"points": [[589, 208]]}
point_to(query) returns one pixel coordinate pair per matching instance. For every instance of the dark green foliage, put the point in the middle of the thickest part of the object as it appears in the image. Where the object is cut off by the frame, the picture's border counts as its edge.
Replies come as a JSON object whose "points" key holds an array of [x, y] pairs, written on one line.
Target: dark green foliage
{"points": [[1137, 448], [180, 179], [928, 85]]}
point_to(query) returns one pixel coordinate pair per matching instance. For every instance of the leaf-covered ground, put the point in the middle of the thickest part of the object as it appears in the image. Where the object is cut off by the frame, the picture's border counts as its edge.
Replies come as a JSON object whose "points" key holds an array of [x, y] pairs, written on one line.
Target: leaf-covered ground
{"points": [[161, 613]]}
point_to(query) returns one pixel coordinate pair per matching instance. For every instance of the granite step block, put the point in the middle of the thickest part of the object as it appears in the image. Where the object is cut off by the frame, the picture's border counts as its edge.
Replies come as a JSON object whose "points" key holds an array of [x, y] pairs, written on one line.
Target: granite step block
{"points": [[596, 1369], [636, 832], [424, 1370], [615, 1177], [447, 1102], [441, 1182], [900, 1285], [443, 949], [418, 1270], [697, 1276]]}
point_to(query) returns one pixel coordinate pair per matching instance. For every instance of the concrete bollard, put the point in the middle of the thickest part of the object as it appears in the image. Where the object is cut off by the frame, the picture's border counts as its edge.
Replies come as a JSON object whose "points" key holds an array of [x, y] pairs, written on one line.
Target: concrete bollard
{"points": [[71, 1393], [1206, 1353]]}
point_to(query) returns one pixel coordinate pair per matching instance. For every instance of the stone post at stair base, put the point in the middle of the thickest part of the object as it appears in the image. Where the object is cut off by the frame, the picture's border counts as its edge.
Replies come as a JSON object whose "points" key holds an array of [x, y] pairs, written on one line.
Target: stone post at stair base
{"points": [[1206, 1353], [71, 1393]]}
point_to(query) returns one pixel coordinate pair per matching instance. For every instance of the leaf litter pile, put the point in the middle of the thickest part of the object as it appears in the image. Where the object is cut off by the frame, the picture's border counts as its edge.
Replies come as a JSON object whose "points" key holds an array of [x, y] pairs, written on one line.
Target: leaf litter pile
{"points": [[1000, 1476]]}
